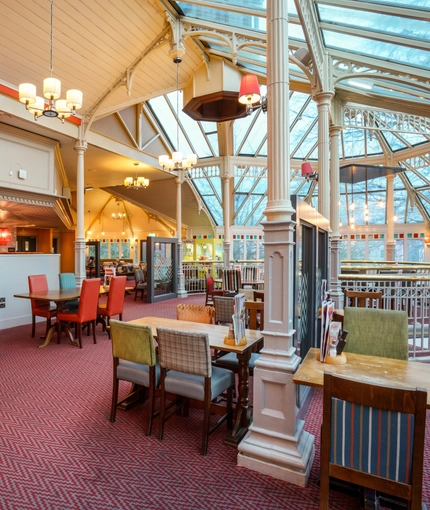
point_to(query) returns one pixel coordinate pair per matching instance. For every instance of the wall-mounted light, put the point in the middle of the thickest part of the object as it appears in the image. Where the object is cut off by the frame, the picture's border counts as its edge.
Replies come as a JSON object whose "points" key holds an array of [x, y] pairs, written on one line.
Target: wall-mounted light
{"points": [[250, 95]]}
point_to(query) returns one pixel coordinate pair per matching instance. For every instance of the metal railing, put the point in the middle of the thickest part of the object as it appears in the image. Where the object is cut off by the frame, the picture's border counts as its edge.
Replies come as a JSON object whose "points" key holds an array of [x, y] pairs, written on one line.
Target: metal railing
{"points": [[410, 293], [196, 270]]}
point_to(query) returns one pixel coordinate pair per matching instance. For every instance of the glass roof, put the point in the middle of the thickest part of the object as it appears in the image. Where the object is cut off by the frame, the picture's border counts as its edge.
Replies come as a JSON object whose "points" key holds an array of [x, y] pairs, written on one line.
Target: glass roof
{"points": [[378, 49]]}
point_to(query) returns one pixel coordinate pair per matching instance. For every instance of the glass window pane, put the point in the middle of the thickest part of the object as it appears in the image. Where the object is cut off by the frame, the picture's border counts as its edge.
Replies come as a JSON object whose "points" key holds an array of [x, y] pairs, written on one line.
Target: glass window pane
{"points": [[261, 250], [415, 250], [104, 250], [251, 250], [114, 250], [358, 250], [376, 249], [238, 249], [399, 250], [125, 250]]}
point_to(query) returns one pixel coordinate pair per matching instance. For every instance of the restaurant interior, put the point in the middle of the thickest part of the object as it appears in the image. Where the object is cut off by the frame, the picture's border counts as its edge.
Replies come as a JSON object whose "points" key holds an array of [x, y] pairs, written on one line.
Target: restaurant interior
{"points": [[189, 152]]}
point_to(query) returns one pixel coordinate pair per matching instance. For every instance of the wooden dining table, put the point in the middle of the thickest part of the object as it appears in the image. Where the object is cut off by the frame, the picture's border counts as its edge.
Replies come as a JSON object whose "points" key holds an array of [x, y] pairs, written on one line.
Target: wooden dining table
{"points": [[59, 297], [367, 369], [216, 335]]}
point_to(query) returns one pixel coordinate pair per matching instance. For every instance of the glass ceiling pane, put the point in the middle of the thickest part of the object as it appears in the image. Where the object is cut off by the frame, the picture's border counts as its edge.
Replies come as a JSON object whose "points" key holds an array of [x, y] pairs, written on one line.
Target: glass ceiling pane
{"points": [[378, 49], [233, 19], [397, 25], [394, 143], [401, 3]]}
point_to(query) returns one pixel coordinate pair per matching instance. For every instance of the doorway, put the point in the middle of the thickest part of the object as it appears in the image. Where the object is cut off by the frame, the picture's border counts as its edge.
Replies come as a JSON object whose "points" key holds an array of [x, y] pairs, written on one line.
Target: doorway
{"points": [[27, 243]]}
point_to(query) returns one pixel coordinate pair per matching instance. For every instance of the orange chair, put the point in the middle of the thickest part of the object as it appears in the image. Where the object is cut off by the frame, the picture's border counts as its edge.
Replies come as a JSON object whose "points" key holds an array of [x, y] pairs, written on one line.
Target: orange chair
{"points": [[39, 283], [87, 311], [210, 290], [115, 301]]}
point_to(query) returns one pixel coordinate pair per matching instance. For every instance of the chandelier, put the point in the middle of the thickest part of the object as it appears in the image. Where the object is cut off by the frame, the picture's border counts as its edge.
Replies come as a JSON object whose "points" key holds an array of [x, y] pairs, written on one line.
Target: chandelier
{"points": [[61, 108], [176, 162], [136, 182], [118, 215]]}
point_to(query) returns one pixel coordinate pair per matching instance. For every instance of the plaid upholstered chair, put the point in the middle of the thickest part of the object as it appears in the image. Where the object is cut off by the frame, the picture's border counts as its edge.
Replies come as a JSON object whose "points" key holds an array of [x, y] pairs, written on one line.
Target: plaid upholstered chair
{"points": [[223, 309], [376, 332], [186, 371], [134, 360], [373, 436]]}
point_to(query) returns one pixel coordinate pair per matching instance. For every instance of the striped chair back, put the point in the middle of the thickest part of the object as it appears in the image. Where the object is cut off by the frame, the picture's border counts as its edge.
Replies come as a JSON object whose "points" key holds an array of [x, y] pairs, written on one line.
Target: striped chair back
{"points": [[231, 280], [373, 436]]}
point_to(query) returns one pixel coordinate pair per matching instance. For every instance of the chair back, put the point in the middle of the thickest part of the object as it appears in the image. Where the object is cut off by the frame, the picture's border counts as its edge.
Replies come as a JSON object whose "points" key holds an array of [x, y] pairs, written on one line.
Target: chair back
{"points": [[89, 299], [231, 280], [255, 310], [184, 351], [37, 283], [376, 332], [210, 284], [67, 280], [373, 436], [115, 301], [195, 313], [133, 342], [362, 299], [258, 295], [223, 306], [138, 276]]}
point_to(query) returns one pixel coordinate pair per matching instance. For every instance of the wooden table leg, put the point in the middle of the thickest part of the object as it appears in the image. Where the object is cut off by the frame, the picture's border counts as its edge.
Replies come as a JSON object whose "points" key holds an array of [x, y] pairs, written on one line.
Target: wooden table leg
{"points": [[243, 410]]}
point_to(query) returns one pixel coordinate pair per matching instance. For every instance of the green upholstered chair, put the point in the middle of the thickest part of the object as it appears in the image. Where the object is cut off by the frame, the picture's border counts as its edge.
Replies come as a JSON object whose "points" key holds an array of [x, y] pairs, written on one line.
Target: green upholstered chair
{"points": [[187, 371], [134, 360], [376, 332]]}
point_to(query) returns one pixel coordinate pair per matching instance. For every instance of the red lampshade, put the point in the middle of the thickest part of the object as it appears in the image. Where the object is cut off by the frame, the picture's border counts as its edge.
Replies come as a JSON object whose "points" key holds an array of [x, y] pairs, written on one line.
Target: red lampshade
{"points": [[249, 92], [306, 169], [5, 236]]}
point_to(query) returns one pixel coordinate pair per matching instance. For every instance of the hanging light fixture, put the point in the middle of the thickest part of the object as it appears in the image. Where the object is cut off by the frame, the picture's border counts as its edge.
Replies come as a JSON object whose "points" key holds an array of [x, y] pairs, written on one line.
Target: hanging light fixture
{"points": [[119, 215], [5, 236], [176, 162], [89, 232], [136, 182], [61, 108], [250, 95]]}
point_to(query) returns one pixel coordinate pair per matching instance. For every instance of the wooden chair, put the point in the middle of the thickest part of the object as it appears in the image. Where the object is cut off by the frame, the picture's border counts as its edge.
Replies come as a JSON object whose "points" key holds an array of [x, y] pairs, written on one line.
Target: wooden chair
{"points": [[115, 301], [231, 281], [68, 281], [373, 436], [87, 311], [210, 290], [134, 360], [376, 332], [39, 283], [195, 313], [258, 295], [362, 299], [186, 371], [140, 283]]}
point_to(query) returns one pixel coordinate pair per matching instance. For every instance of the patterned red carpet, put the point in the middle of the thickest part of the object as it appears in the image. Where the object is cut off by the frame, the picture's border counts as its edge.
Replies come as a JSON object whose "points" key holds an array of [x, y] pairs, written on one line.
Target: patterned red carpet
{"points": [[59, 450]]}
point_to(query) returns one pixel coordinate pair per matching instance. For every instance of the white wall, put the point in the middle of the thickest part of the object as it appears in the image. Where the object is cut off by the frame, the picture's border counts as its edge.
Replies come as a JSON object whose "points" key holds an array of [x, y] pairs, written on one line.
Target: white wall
{"points": [[14, 270]]}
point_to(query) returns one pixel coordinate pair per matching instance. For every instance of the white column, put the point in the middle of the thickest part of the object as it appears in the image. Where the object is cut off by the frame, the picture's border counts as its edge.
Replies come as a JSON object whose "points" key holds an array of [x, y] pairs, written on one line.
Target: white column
{"points": [[336, 293], [390, 243], [276, 443], [226, 212], [181, 277], [80, 244], [323, 102]]}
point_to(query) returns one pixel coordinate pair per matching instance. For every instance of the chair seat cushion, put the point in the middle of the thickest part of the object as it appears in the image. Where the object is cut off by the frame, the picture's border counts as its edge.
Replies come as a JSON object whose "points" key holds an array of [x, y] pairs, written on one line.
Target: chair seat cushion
{"points": [[230, 359], [193, 386], [141, 285], [71, 316], [136, 373], [45, 311]]}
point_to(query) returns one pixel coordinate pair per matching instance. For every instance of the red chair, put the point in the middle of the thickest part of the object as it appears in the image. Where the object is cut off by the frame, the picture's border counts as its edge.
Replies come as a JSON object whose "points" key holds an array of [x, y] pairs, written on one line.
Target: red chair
{"points": [[39, 283], [115, 301], [210, 290], [87, 311]]}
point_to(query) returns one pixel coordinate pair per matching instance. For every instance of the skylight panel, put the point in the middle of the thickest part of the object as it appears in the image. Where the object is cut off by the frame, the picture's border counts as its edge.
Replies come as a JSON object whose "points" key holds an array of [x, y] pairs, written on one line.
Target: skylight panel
{"points": [[384, 23], [402, 3], [381, 50]]}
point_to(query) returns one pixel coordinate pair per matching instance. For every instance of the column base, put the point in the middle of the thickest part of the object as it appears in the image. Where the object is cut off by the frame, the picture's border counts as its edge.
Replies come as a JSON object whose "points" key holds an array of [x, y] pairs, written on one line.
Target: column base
{"points": [[286, 458]]}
